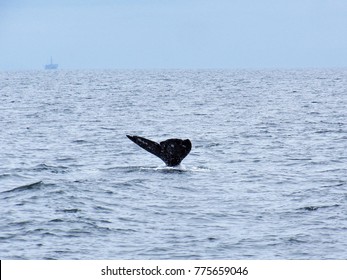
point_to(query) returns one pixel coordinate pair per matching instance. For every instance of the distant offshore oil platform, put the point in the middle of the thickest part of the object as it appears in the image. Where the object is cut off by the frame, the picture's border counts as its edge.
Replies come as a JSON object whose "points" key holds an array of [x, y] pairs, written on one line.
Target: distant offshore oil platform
{"points": [[51, 66]]}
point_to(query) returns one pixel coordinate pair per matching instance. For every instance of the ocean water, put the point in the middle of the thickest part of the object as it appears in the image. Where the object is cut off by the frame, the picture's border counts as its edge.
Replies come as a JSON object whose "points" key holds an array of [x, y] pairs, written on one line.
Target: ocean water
{"points": [[266, 177]]}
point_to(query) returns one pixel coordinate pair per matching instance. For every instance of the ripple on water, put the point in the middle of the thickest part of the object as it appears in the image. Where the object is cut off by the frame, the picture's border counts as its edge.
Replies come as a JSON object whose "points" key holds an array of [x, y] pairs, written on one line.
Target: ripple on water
{"points": [[266, 177]]}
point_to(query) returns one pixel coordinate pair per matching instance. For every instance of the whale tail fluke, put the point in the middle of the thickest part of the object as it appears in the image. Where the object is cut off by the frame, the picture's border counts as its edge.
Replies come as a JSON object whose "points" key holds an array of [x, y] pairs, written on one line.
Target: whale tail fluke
{"points": [[171, 151], [150, 146]]}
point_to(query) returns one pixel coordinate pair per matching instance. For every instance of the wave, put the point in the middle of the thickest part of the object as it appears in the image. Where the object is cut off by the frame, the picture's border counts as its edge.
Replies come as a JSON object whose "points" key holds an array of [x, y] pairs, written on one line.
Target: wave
{"points": [[162, 168], [315, 208], [26, 187], [60, 169]]}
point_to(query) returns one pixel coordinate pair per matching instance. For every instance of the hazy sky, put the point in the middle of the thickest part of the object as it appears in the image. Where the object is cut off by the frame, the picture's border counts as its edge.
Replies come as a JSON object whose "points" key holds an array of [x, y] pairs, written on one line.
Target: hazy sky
{"points": [[173, 33]]}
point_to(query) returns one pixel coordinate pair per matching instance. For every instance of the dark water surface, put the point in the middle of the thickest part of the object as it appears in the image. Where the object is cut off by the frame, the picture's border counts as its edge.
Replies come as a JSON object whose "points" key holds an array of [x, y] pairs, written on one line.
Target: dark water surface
{"points": [[266, 178]]}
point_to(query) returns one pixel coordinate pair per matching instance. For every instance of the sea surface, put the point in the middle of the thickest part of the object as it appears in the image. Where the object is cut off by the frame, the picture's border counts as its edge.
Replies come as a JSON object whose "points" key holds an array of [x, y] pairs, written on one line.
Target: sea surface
{"points": [[266, 177]]}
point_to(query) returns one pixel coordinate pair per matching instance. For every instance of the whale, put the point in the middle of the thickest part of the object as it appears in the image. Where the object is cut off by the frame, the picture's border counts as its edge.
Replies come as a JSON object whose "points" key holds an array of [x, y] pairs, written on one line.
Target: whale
{"points": [[171, 151]]}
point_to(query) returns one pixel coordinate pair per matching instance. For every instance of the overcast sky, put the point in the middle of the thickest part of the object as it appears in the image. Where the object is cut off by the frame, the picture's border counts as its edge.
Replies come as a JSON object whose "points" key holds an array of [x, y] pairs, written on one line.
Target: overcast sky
{"points": [[118, 34]]}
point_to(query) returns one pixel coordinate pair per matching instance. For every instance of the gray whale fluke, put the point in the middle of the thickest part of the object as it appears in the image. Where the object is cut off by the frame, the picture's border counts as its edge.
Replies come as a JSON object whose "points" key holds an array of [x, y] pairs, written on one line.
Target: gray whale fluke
{"points": [[171, 151]]}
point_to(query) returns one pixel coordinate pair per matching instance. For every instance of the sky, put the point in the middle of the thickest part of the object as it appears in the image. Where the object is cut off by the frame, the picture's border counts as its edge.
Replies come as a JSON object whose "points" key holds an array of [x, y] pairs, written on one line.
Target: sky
{"points": [[173, 34]]}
